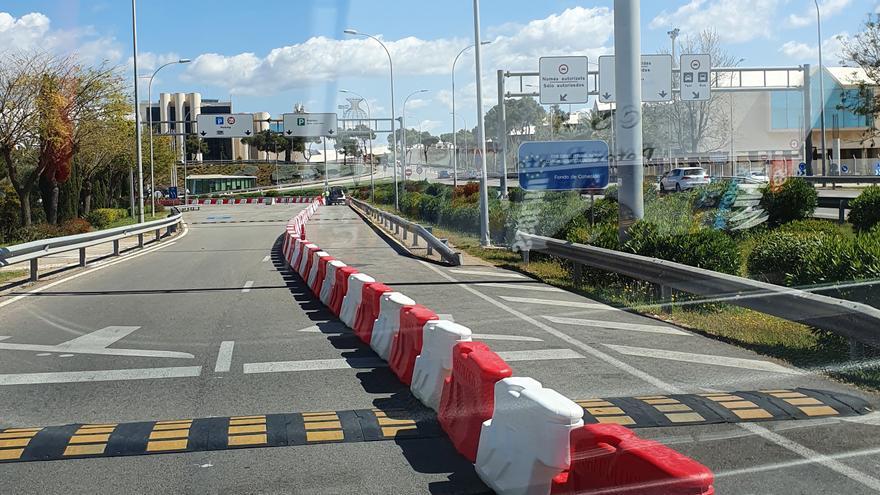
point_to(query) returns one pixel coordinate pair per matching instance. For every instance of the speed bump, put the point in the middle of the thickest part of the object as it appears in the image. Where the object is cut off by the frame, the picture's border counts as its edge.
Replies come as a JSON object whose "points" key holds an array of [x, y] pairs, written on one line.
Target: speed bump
{"points": [[78, 441]]}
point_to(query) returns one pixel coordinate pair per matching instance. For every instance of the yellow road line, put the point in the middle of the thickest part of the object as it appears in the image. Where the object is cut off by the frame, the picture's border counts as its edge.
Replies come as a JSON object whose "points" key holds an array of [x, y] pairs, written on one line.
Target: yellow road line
{"points": [[93, 449], [160, 445], [247, 429], [247, 439], [324, 436]]}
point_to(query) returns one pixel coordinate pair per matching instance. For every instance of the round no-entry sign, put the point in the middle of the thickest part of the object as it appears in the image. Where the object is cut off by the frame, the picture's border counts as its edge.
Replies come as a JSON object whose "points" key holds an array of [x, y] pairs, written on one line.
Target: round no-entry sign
{"points": [[230, 120], [408, 172], [563, 68]]}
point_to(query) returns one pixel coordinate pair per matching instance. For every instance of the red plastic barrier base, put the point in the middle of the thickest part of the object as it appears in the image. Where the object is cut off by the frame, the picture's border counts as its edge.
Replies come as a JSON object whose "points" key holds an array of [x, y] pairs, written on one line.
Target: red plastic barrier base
{"points": [[340, 288], [608, 457], [322, 272], [469, 394], [407, 343], [369, 310]]}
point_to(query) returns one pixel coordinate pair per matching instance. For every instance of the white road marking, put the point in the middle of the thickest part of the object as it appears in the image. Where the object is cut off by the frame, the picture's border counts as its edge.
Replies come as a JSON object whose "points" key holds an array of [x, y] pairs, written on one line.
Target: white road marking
{"points": [[615, 325], [99, 265], [100, 376], [247, 286], [96, 343], [333, 327], [688, 357], [808, 454], [538, 288], [488, 274], [513, 338], [540, 355], [266, 259], [315, 365], [224, 356], [551, 302]]}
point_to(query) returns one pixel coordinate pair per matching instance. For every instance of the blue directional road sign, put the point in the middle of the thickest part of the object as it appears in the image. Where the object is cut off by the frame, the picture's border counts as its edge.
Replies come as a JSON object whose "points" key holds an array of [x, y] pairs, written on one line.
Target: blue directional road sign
{"points": [[802, 168], [563, 165], [172, 192], [844, 169], [877, 169]]}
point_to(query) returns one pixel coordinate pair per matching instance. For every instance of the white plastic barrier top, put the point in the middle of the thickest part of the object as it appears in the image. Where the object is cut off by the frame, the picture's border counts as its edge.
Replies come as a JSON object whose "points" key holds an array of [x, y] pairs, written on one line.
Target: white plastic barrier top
{"points": [[329, 281], [352, 300], [313, 271], [305, 259], [434, 364], [387, 324], [526, 443]]}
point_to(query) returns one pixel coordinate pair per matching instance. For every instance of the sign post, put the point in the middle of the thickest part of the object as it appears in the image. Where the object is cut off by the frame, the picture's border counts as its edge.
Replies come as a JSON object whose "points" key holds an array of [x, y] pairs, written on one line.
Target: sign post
{"points": [[656, 79], [227, 125], [563, 80], [695, 80], [563, 165]]}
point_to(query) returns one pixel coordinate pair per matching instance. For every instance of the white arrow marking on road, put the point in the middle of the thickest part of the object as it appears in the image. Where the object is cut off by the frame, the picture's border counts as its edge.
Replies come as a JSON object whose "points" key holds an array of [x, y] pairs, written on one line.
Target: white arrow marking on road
{"points": [[100, 376], [550, 302], [522, 287], [687, 357], [224, 356], [488, 274], [247, 286], [266, 259], [375, 362], [614, 325], [96, 343]]}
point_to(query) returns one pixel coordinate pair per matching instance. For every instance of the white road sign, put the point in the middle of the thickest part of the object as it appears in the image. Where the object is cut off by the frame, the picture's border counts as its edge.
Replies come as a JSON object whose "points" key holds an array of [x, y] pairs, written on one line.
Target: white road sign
{"points": [[236, 125], [310, 125], [656, 78], [563, 80], [696, 71]]}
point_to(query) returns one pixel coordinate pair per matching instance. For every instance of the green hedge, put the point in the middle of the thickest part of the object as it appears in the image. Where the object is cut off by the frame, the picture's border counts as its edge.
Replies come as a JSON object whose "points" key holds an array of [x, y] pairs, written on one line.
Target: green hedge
{"points": [[864, 211], [796, 199], [703, 248], [103, 217]]}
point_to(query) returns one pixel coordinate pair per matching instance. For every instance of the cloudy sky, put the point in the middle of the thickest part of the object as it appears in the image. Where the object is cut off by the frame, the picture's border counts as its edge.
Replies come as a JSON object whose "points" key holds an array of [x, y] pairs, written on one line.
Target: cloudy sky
{"points": [[271, 54]]}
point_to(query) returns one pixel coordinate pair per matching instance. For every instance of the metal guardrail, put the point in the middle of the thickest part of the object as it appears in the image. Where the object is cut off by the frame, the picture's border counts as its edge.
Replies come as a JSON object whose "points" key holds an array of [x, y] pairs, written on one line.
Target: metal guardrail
{"points": [[856, 321], [393, 221], [843, 179], [33, 251]]}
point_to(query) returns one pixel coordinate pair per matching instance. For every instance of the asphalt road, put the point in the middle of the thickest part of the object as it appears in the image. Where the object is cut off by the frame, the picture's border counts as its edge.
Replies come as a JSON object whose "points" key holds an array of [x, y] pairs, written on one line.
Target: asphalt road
{"points": [[224, 281]]}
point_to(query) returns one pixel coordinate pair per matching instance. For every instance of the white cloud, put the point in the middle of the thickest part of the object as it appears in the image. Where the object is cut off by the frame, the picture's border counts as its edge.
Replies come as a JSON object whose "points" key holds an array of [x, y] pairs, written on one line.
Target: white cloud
{"points": [[735, 21], [415, 103], [34, 32], [832, 50], [319, 59], [428, 125], [827, 8]]}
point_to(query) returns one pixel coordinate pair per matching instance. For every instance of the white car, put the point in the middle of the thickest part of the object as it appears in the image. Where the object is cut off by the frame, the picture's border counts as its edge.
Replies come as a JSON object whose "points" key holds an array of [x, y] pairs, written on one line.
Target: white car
{"points": [[680, 179]]}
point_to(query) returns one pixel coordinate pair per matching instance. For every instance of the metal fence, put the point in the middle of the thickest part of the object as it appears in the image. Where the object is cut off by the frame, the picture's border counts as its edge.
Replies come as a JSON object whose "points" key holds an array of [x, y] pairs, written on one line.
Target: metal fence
{"points": [[855, 321], [401, 224], [33, 251]]}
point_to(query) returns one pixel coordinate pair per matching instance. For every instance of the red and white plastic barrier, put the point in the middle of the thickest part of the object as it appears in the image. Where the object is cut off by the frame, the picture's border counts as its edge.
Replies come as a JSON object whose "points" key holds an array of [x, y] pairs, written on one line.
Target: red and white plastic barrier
{"points": [[522, 437], [268, 200]]}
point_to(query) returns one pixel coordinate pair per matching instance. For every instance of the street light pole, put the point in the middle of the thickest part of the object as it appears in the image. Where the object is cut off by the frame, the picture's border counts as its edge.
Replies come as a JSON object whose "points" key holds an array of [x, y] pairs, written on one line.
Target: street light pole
{"points": [[673, 35], [354, 32], [137, 113], [454, 155], [481, 127], [150, 119], [821, 86]]}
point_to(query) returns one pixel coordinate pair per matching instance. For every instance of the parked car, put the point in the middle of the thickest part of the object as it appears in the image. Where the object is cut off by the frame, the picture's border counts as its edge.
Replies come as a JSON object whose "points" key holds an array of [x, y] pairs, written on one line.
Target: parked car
{"points": [[337, 196], [444, 174], [680, 179]]}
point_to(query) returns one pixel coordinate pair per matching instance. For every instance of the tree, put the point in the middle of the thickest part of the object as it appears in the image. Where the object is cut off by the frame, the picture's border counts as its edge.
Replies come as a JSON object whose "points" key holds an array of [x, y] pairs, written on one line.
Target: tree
{"points": [[102, 140], [428, 140], [698, 125], [55, 134], [522, 115], [347, 145], [195, 146], [863, 50]]}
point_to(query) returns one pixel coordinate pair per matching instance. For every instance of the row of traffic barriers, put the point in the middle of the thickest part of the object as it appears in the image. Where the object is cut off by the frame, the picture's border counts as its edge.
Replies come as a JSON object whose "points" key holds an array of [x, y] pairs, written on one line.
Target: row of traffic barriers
{"points": [[523, 438], [251, 201]]}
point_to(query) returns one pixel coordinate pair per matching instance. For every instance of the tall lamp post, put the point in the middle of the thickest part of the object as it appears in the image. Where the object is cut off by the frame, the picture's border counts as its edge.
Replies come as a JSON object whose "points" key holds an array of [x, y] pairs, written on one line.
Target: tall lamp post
{"points": [[403, 131], [454, 157], [137, 113], [369, 119], [673, 35], [821, 86], [150, 124], [481, 129], [354, 32]]}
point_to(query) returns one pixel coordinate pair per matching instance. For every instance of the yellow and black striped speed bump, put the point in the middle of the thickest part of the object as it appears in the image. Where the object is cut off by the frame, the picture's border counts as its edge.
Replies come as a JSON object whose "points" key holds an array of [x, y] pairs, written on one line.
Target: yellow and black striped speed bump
{"points": [[196, 435], [722, 407], [370, 425]]}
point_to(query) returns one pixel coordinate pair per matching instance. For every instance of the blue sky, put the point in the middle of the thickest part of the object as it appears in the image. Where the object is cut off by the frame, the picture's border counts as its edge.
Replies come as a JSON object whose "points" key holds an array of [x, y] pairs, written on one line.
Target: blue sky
{"points": [[272, 54]]}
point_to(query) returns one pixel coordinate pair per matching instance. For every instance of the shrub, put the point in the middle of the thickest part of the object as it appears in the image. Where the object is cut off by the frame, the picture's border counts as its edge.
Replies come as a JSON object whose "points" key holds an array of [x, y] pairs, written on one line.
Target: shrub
{"points": [[516, 194], [103, 217], [812, 225], [801, 258], [704, 248], [796, 199], [75, 226], [604, 211], [36, 233], [864, 211], [469, 190], [603, 235]]}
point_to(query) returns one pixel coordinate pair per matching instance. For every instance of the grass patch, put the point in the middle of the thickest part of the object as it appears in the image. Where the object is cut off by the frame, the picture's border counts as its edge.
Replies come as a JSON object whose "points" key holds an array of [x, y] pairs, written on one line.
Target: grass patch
{"points": [[9, 275]]}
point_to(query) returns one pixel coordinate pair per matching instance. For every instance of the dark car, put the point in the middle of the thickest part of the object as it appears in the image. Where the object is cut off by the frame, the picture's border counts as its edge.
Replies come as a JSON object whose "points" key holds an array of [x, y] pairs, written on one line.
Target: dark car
{"points": [[337, 196]]}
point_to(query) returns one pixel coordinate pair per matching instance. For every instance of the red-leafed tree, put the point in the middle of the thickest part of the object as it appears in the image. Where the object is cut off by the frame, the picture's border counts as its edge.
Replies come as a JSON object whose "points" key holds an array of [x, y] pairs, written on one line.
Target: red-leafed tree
{"points": [[55, 105]]}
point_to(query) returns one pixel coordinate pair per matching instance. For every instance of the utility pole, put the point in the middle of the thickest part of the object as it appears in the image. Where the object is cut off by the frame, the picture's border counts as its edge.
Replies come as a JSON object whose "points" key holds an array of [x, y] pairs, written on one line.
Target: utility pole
{"points": [[481, 129], [628, 70], [137, 113]]}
